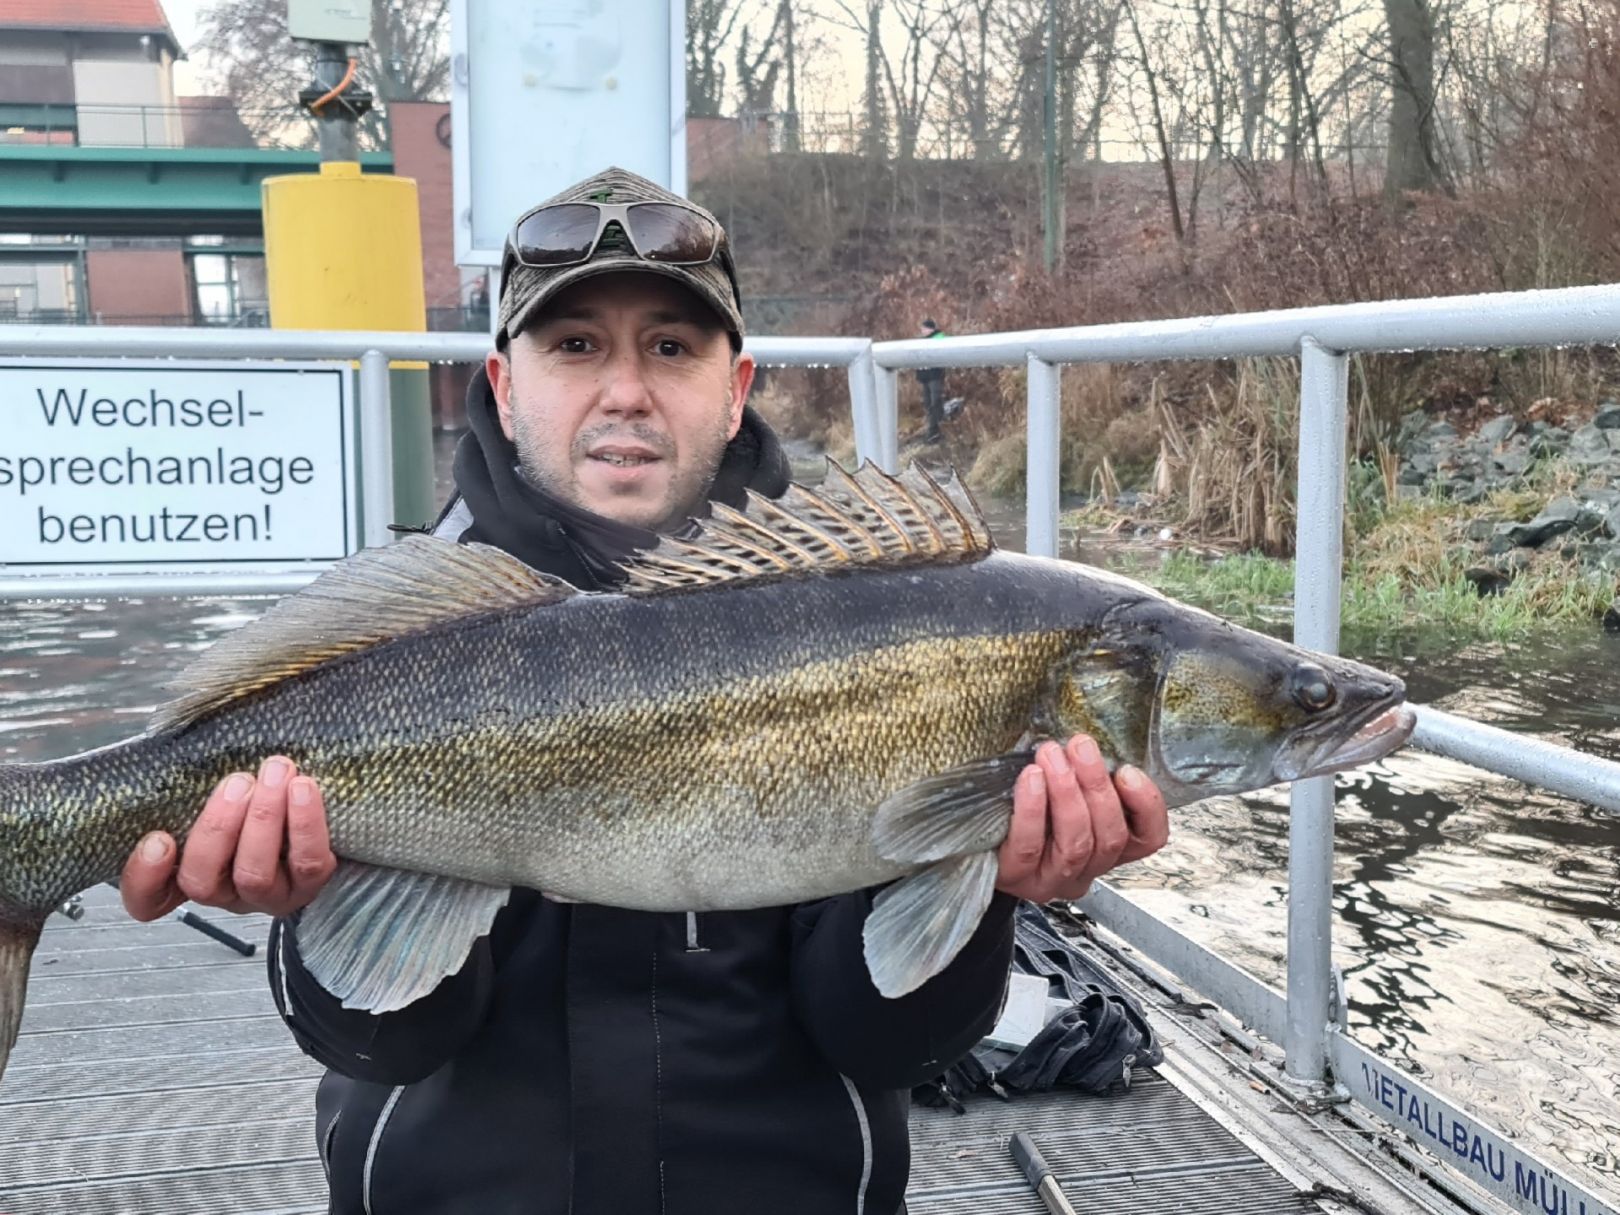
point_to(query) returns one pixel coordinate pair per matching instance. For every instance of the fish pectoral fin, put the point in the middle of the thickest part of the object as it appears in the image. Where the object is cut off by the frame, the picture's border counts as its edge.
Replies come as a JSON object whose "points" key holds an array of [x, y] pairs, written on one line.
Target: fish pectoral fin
{"points": [[379, 939], [920, 923], [963, 809]]}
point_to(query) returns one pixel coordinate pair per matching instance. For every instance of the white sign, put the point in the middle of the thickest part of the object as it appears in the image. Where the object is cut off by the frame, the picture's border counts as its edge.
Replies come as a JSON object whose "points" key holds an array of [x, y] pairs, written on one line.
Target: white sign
{"points": [[544, 93], [135, 466], [330, 20]]}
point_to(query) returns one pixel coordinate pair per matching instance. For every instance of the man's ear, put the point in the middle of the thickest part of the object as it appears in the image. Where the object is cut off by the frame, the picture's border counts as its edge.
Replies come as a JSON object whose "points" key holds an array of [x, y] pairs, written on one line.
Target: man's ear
{"points": [[498, 367], [742, 379]]}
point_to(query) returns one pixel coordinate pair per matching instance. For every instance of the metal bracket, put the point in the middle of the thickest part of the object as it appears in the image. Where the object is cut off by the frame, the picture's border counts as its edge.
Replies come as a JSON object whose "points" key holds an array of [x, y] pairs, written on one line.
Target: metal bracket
{"points": [[1339, 1002]]}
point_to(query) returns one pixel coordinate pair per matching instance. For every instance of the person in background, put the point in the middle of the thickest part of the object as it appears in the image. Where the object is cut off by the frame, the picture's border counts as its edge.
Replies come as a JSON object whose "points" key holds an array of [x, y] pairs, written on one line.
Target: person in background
{"points": [[932, 380]]}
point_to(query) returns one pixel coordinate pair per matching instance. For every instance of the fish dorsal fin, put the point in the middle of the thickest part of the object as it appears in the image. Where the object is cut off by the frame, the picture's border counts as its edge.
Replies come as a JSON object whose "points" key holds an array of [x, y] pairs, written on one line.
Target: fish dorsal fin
{"points": [[866, 519], [376, 595]]}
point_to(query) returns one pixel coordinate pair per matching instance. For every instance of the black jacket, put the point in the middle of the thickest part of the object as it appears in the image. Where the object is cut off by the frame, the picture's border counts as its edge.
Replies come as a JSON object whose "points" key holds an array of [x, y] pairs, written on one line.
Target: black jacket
{"points": [[597, 1061]]}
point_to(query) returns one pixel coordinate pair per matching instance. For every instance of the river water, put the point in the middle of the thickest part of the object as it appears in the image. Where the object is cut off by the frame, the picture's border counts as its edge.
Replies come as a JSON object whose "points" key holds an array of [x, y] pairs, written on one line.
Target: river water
{"points": [[1476, 920]]}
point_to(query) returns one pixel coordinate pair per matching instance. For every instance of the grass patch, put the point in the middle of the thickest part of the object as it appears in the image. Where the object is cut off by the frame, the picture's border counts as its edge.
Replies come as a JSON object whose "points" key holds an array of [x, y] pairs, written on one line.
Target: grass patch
{"points": [[1404, 574]]}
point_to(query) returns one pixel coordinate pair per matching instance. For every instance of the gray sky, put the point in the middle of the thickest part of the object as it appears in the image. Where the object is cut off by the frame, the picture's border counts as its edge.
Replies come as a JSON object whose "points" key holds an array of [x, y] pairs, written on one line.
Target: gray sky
{"points": [[182, 16]]}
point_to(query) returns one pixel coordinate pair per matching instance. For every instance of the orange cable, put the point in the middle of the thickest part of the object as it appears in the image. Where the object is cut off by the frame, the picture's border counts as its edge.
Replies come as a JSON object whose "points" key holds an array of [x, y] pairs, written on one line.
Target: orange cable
{"points": [[348, 79]]}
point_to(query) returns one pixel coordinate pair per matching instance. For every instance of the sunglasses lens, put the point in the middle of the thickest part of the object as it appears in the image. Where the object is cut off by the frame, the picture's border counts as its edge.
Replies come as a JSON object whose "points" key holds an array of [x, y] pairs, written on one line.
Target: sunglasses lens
{"points": [[556, 236], [665, 233]]}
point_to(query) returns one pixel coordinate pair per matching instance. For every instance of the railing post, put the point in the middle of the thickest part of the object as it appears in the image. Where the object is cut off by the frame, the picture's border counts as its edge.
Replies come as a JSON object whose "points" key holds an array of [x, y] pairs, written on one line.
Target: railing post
{"points": [[1318, 570], [376, 449], [1041, 466], [863, 404], [886, 382]]}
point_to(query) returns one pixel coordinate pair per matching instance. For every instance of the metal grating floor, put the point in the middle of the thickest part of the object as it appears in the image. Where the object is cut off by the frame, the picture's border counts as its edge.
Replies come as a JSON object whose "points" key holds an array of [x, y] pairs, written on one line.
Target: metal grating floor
{"points": [[116, 1008], [153, 1077], [1150, 1150]]}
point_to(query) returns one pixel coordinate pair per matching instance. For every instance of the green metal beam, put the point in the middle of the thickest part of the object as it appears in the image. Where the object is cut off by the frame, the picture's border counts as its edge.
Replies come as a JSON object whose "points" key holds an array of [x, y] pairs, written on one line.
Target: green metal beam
{"points": [[145, 191]]}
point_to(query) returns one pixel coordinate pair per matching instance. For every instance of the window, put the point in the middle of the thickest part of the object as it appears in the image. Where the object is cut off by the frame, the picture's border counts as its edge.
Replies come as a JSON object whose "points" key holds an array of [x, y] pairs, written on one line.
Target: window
{"points": [[229, 288], [39, 292]]}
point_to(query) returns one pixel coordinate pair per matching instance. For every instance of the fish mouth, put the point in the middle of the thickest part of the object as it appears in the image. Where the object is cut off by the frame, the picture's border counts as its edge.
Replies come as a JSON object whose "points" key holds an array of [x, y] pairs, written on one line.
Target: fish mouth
{"points": [[1374, 739]]}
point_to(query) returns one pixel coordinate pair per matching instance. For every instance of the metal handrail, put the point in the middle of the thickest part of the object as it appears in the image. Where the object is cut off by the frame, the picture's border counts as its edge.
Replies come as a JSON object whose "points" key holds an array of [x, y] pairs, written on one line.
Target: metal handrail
{"points": [[1322, 339], [373, 350]]}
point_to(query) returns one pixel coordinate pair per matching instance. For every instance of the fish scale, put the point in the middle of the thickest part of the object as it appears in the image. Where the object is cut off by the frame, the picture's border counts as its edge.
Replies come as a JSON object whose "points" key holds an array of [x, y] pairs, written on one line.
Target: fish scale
{"points": [[826, 693]]}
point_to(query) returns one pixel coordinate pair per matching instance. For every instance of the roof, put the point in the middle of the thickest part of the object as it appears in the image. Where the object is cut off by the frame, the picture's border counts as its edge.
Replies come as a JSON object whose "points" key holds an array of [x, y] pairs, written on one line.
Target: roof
{"points": [[89, 16]]}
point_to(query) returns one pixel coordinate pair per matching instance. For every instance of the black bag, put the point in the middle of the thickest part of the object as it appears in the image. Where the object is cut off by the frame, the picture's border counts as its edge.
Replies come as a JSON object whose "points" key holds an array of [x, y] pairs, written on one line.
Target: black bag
{"points": [[1092, 1045]]}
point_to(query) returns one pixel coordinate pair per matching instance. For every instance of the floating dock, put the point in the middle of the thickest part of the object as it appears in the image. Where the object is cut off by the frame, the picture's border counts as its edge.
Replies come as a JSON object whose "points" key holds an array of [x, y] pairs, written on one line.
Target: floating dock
{"points": [[153, 1077]]}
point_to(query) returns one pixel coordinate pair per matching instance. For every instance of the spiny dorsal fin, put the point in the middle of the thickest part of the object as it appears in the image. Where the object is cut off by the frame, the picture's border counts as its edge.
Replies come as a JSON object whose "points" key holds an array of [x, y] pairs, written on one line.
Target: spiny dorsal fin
{"points": [[868, 519], [374, 596]]}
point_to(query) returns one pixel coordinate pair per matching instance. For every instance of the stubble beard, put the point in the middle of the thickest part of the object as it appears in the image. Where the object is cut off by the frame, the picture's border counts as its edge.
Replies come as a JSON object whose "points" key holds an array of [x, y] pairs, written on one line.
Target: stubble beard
{"points": [[546, 466]]}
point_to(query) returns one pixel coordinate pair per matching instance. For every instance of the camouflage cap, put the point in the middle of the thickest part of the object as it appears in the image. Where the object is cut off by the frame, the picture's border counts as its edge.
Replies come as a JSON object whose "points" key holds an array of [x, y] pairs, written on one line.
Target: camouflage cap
{"points": [[525, 290]]}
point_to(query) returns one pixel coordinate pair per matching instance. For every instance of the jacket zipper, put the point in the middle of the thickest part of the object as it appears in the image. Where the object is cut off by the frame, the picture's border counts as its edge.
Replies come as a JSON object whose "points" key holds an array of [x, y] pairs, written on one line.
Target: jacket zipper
{"points": [[693, 945], [376, 1142], [866, 1141]]}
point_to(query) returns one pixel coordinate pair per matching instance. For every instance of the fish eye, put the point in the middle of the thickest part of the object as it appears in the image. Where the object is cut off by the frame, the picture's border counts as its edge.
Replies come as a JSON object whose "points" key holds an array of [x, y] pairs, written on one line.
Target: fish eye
{"points": [[1311, 688]]}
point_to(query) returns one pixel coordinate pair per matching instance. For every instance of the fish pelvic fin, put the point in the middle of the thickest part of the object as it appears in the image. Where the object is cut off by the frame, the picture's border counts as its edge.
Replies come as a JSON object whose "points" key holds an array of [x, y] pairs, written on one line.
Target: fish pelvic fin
{"points": [[375, 596], [849, 521], [919, 924], [17, 941], [963, 809], [379, 939]]}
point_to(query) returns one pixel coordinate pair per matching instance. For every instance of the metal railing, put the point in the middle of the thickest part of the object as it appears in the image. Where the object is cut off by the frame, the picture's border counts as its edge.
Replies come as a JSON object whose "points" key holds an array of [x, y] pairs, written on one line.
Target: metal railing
{"points": [[255, 316], [1306, 1019], [205, 123], [374, 351]]}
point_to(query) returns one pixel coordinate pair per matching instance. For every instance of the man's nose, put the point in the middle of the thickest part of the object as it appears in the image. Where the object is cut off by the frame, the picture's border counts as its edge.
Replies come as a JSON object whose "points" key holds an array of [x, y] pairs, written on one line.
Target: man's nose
{"points": [[625, 392]]}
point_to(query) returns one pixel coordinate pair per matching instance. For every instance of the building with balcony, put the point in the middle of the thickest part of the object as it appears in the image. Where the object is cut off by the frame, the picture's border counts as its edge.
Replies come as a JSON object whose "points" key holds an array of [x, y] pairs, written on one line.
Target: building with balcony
{"points": [[89, 72]]}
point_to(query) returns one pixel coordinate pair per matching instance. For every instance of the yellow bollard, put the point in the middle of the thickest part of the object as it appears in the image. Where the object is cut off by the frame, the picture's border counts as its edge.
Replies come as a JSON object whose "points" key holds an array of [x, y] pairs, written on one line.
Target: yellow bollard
{"points": [[343, 250]]}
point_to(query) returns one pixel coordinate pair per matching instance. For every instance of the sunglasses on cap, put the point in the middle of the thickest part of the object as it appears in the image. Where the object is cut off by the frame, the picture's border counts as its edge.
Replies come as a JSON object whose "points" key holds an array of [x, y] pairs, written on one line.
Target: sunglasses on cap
{"points": [[566, 234]]}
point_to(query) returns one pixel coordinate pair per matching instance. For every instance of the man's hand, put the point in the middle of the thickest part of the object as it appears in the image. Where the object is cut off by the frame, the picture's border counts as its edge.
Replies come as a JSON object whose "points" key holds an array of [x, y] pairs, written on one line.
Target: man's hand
{"points": [[1071, 823], [259, 845]]}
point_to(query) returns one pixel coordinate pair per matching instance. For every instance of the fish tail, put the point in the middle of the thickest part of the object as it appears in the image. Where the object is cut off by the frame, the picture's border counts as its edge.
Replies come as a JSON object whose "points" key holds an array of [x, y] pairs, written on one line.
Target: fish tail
{"points": [[17, 942], [20, 925]]}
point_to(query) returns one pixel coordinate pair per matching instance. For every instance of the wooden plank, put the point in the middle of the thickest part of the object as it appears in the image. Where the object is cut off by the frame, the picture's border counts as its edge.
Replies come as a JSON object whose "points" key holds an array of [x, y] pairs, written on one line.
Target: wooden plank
{"points": [[115, 929], [130, 1011], [275, 1188], [193, 949], [240, 1104], [132, 1155], [114, 1077], [148, 1048], [47, 990]]}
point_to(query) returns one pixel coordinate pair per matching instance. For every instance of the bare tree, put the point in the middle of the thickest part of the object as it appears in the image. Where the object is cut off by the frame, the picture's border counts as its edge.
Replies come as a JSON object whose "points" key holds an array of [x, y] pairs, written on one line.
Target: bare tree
{"points": [[875, 131], [1413, 162], [899, 87], [971, 50], [1150, 75], [709, 27], [757, 70], [254, 61], [1087, 58]]}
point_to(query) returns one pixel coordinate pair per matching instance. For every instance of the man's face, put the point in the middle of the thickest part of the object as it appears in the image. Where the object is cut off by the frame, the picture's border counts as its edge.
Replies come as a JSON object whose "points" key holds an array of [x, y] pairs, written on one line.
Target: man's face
{"points": [[621, 397]]}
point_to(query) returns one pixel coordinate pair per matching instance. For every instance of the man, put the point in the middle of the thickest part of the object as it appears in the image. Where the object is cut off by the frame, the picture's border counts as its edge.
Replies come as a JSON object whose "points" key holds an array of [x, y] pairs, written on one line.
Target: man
{"points": [[932, 382], [591, 1059]]}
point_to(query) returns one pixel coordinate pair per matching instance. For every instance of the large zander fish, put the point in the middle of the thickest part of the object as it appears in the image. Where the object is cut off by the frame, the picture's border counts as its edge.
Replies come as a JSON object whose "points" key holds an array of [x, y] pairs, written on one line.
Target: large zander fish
{"points": [[827, 692]]}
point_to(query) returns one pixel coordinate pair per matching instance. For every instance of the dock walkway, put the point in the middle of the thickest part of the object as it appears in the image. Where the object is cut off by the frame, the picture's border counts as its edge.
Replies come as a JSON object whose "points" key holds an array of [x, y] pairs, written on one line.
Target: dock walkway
{"points": [[153, 1077]]}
